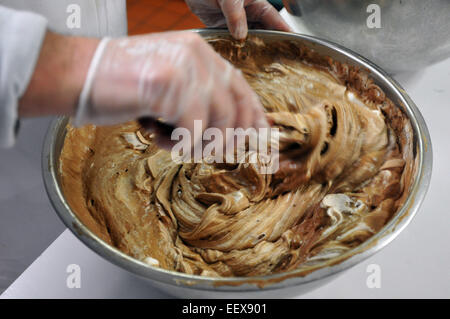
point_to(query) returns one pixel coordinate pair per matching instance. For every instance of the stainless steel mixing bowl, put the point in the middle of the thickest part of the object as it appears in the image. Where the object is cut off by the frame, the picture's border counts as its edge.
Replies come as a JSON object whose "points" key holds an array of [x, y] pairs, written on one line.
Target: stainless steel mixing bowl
{"points": [[277, 285], [413, 33]]}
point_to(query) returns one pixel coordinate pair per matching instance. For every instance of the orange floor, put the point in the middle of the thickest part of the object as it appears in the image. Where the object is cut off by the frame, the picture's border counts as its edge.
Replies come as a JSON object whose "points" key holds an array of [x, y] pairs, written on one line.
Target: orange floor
{"points": [[145, 16]]}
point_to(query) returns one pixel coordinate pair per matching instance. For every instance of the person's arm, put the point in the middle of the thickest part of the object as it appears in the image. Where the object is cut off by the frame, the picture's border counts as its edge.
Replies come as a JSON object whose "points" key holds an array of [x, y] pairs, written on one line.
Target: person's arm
{"points": [[21, 36], [59, 76], [173, 76]]}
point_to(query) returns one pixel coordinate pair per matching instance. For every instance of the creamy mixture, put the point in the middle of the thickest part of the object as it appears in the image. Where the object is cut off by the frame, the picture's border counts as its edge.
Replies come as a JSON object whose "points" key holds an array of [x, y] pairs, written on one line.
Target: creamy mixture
{"points": [[347, 160]]}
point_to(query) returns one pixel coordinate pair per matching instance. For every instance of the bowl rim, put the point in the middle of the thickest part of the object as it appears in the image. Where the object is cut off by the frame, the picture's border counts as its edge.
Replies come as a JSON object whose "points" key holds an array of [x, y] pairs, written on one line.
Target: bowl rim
{"points": [[274, 281]]}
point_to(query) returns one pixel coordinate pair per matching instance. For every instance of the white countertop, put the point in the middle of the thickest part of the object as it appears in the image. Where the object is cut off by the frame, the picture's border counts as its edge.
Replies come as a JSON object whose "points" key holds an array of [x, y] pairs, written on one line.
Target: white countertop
{"points": [[415, 265]]}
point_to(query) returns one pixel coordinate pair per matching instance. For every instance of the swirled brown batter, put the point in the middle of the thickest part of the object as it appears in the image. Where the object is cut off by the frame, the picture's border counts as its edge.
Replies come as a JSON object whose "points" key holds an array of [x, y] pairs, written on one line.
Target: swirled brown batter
{"points": [[346, 167]]}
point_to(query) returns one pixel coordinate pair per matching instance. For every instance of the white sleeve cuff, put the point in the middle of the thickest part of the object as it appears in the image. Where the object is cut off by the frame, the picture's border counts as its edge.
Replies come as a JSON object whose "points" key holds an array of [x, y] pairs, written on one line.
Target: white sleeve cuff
{"points": [[21, 37]]}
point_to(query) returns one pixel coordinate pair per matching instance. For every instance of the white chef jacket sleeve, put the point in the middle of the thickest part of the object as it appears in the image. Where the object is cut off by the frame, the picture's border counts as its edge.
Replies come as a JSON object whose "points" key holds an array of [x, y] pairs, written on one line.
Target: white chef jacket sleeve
{"points": [[21, 37]]}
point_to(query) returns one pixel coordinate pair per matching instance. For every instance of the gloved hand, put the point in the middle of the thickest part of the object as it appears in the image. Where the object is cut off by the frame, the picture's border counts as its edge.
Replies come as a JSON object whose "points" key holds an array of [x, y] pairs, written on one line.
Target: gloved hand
{"points": [[236, 13], [175, 76]]}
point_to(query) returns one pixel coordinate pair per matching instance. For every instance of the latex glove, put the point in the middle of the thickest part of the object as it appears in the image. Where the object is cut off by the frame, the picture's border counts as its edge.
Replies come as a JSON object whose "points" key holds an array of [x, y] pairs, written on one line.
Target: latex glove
{"points": [[175, 76], [236, 13]]}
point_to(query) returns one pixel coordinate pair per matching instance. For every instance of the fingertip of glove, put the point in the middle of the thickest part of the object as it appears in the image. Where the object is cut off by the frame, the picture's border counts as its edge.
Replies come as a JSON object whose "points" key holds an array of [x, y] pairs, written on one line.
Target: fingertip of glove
{"points": [[241, 30]]}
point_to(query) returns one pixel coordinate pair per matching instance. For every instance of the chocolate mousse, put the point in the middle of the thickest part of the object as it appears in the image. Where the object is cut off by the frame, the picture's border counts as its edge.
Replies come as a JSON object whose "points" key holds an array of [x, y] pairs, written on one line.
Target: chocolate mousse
{"points": [[346, 165]]}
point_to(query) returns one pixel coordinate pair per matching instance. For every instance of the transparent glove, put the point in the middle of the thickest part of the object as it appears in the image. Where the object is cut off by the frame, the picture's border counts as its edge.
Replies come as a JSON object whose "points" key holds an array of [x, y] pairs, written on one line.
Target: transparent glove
{"points": [[236, 13], [173, 76]]}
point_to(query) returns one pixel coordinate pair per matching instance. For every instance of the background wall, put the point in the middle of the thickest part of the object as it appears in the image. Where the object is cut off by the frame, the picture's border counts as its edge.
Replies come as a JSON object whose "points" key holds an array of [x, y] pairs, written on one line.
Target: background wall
{"points": [[146, 16]]}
